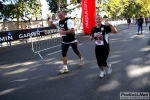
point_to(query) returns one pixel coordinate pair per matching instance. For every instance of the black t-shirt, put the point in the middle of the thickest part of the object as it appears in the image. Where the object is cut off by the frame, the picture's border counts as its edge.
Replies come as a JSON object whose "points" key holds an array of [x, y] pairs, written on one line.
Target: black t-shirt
{"points": [[101, 35], [66, 37], [129, 20], [140, 21]]}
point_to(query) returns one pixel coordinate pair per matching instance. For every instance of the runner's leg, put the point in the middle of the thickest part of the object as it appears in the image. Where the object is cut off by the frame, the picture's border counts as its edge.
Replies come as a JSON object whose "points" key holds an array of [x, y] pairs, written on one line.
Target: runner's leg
{"points": [[76, 51], [64, 53]]}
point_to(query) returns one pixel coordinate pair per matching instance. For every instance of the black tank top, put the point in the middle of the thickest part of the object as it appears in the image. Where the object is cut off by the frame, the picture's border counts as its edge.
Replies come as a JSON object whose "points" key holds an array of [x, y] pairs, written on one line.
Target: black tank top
{"points": [[67, 37]]}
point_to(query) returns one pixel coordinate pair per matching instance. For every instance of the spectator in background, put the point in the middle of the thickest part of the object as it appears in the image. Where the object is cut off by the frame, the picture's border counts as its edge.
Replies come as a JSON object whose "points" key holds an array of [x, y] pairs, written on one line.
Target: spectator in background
{"points": [[53, 18], [140, 24], [26, 27], [5, 28], [146, 20], [22, 27], [29, 26], [129, 22]]}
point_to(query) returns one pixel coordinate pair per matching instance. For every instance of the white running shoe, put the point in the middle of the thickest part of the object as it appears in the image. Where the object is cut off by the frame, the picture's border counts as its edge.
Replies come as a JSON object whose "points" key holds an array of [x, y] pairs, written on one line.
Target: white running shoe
{"points": [[102, 73], [109, 69], [81, 61], [64, 70]]}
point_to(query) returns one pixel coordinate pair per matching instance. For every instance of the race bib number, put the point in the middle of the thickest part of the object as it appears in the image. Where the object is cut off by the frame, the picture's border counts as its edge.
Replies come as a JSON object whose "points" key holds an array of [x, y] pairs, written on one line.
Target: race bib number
{"points": [[98, 38], [62, 30]]}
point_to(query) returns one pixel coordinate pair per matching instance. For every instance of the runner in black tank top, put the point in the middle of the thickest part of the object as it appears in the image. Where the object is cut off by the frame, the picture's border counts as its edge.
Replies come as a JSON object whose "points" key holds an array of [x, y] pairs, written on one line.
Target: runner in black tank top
{"points": [[68, 38]]}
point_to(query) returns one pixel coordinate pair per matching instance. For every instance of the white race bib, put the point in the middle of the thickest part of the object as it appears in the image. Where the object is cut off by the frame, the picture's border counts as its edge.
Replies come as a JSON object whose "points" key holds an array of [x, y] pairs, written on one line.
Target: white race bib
{"points": [[98, 38], [62, 30]]}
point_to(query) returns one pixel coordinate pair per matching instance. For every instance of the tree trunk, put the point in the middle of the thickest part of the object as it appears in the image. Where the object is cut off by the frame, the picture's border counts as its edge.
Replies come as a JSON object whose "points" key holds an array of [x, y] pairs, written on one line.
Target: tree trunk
{"points": [[58, 5], [18, 16], [4, 23], [18, 22]]}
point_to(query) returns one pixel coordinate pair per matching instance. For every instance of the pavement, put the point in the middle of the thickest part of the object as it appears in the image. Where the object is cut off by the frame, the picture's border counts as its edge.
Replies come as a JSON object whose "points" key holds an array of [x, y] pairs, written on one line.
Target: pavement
{"points": [[23, 78]]}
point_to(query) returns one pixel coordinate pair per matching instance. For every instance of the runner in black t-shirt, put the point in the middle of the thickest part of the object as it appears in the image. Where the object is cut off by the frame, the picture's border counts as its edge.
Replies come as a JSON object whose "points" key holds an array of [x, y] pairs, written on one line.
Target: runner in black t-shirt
{"points": [[68, 38], [100, 34]]}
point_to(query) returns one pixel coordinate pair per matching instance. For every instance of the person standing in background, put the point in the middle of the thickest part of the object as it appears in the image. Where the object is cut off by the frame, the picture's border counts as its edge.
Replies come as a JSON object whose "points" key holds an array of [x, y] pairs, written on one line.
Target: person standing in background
{"points": [[140, 24], [129, 22], [146, 21]]}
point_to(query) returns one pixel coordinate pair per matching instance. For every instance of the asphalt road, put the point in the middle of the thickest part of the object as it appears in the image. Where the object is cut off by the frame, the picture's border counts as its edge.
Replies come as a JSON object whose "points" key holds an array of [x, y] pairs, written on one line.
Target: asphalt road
{"points": [[24, 79]]}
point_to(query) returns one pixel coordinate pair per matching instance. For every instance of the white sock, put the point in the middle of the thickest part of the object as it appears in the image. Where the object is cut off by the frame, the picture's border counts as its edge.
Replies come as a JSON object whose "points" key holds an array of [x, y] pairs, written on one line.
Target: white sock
{"points": [[65, 66]]}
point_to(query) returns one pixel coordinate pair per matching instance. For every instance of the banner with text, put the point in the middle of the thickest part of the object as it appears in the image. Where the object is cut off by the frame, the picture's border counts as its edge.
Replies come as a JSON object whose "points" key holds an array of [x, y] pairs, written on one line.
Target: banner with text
{"points": [[88, 14], [27, 33]]}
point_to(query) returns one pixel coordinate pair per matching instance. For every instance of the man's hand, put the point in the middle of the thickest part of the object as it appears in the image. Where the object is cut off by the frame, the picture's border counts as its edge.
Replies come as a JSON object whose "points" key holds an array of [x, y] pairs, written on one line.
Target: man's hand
{"points": [[91, 38], [53, 17], [107, 23], [62, 32]]}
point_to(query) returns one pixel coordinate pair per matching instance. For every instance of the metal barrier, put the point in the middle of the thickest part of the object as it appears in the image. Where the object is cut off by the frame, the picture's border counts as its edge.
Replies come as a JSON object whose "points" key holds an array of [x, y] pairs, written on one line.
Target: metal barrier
{"points": [[45, 42], [42, 43]]}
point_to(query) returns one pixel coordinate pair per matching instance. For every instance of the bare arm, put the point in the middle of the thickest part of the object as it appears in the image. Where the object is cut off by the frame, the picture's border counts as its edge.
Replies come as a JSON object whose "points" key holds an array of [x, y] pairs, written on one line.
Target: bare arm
{"points": [[113, 29], [91, 38], [91, 35]]}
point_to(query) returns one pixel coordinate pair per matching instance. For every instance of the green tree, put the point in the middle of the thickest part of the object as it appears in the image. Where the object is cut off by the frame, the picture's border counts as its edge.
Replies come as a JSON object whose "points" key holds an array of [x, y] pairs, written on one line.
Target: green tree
{"points": [[132, 9], [145, 8], [56, 5], [101, 6], [113, 8], [128, 8], [21, 8]]}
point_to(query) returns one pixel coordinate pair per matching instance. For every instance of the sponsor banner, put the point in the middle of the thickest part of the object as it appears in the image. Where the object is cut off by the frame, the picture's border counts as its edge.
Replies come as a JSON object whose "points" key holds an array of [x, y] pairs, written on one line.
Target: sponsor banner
{"points": [[27, 33], [88, 15]]}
